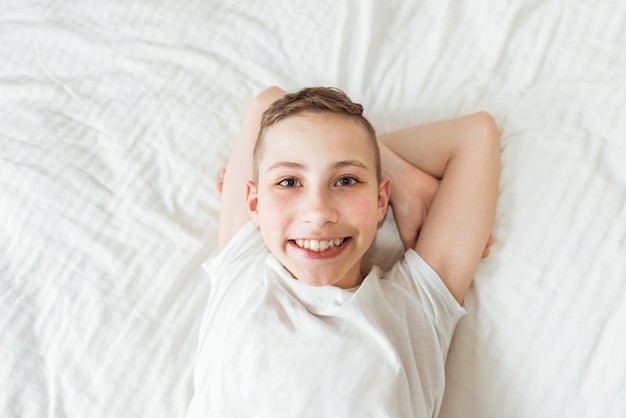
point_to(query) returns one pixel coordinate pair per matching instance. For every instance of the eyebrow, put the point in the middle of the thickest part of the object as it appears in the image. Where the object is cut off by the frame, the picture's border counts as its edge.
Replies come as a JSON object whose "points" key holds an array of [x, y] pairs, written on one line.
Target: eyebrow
{"points": [[349, 163], [285, 164], [334, 165]]}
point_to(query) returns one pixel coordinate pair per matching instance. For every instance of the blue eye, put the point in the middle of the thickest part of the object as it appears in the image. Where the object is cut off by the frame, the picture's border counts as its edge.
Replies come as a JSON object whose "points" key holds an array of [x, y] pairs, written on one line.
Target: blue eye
{"points": [[347, 181], [289, 182]]}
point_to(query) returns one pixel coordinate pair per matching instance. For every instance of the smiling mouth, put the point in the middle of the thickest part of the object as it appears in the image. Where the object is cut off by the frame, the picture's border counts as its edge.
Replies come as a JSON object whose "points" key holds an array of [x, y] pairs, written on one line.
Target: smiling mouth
{"points": [[319, 246]]}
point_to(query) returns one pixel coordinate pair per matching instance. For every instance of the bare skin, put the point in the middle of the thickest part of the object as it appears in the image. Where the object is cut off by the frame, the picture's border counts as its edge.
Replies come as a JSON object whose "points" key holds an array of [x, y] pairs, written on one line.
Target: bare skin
{"points": [[408, 238], [444, 178]]}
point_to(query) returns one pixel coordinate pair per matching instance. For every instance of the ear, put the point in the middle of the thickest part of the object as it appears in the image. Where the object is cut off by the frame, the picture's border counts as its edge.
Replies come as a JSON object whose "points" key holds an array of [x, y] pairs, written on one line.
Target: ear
{"points": [[252, 201], [384, 193]]}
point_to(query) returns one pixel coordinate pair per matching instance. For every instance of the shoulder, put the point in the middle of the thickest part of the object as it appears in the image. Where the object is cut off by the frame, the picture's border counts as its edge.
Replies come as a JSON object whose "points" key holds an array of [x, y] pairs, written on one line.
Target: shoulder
{"points": [[422, 282], [240, 252]]}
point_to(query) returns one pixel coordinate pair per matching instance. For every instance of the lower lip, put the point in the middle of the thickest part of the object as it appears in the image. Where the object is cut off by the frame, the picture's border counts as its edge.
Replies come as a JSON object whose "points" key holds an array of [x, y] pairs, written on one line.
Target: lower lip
{"points": [[330, 253]]}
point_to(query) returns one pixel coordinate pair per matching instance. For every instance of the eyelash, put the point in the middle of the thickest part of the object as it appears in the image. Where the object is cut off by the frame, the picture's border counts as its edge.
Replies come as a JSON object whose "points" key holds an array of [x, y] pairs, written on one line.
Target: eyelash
{"points": [[288, 179], [353, 180], [295, 183]]}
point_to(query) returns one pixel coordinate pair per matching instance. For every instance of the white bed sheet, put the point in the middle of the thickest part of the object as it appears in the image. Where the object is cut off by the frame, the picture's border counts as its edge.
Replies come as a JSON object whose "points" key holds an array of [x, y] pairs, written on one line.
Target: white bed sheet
{"points": [[115, 118]]}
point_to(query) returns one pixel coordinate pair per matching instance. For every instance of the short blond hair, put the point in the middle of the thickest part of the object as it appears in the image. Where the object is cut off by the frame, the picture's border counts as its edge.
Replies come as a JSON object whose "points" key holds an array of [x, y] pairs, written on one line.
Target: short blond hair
{"points": [[316, 100]]}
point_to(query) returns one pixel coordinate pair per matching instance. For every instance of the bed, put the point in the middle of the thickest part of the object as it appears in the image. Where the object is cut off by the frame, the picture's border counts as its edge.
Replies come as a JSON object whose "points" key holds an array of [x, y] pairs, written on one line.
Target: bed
{"points": [[116, 117]]}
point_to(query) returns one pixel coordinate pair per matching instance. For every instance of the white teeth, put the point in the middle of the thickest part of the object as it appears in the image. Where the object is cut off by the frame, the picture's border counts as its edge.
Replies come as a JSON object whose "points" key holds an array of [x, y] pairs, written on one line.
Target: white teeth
{"points": [[317, 245]]}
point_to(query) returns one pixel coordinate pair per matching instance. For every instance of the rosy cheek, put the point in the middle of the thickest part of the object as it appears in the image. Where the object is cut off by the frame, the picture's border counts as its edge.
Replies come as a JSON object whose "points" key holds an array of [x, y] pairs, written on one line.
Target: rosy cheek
{"points": [[271, 205], [361, 210]]}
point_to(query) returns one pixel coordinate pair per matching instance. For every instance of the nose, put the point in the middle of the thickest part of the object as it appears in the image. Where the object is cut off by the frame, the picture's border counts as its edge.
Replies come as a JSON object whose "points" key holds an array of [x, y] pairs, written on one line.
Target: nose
{"points": [[319, 207]]}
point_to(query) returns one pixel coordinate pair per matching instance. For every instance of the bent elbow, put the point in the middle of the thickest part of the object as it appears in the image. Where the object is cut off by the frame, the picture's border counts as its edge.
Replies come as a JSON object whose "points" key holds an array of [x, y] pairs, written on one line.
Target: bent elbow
{"points": [[265, 98], [488, 129], [486, 137], [486, 142]]}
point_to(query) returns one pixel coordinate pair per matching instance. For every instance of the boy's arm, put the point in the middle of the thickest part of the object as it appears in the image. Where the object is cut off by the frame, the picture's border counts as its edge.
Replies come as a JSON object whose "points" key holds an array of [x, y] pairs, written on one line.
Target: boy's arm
{"points": [[412, 193], [234, 212], [465, 154]]}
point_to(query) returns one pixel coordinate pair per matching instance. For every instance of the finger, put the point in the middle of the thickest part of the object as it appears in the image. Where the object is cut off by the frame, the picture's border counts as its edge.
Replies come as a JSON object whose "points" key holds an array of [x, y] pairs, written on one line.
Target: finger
{"points": [[220, 184], [487, 249]]}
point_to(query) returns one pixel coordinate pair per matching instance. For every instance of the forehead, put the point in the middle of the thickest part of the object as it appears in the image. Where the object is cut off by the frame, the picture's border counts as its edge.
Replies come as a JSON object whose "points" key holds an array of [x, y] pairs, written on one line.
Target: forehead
{"points": [[318, 136]]}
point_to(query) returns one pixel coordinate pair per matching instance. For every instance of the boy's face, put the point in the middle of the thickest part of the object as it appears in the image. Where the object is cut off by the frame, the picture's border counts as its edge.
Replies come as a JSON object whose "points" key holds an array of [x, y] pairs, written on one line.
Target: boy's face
{"points": [[317, 200]]}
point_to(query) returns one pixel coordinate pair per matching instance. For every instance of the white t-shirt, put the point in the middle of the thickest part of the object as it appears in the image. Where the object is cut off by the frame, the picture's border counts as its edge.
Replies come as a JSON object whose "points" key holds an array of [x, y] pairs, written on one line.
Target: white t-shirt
{"points": [[271, 346]]}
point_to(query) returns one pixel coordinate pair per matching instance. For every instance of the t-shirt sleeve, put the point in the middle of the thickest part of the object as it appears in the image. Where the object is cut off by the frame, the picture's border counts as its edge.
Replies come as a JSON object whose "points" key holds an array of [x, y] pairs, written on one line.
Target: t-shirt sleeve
{"points": [[246, 244], [430, 292]]}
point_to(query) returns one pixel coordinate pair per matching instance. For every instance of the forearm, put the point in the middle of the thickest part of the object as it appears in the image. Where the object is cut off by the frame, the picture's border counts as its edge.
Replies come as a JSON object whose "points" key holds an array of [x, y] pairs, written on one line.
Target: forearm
{"points": [[239, 167], [404, 177], [429, 147], [412, 193]]}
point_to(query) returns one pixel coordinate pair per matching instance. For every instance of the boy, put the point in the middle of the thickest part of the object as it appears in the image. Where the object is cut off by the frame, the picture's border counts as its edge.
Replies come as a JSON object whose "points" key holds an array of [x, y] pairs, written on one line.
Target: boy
{"points": [[293, 328]]}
